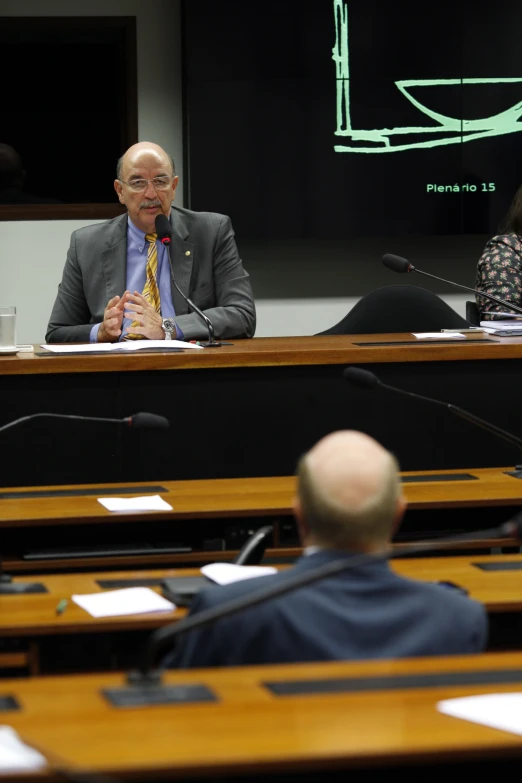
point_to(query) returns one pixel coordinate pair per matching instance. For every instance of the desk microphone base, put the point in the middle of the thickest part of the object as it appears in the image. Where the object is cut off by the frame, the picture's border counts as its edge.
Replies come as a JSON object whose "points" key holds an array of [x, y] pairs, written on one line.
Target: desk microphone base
{"points": [[19, 588], [517, 473], [147, 690]]}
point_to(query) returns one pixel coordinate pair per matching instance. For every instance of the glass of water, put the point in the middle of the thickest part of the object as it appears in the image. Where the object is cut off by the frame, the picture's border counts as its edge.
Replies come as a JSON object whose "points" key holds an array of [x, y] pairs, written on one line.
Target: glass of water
{"points": [[7, 327]]}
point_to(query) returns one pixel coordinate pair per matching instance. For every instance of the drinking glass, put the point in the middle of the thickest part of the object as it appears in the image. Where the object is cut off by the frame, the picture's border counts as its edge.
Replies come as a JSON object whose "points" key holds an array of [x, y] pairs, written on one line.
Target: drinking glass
{"points": [[7, 327]]}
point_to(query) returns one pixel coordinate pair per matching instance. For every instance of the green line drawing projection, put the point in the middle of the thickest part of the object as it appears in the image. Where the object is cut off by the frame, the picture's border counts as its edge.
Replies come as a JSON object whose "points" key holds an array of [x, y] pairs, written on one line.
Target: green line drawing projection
{"points": [[449, 130]]}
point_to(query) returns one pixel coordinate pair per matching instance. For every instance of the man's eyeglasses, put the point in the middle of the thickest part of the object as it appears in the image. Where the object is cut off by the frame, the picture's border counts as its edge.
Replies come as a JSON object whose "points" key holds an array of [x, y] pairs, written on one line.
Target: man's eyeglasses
{"points": [[138, 185]]}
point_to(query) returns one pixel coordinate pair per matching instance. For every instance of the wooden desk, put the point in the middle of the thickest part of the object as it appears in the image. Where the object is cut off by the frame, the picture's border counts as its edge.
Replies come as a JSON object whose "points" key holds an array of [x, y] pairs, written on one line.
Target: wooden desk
{"points": [[249, 730], [253, 408], [34, 618], [213, 505], [34, 614]]}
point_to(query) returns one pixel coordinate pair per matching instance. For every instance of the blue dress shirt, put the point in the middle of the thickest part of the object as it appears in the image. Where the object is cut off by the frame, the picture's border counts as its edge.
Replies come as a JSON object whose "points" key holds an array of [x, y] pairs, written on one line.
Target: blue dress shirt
{"points": [[137, 247]]}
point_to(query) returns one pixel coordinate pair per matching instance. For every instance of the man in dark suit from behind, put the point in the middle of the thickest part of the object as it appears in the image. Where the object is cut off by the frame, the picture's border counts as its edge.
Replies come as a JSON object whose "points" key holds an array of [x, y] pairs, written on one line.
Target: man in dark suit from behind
{"points": [[349, 501]]}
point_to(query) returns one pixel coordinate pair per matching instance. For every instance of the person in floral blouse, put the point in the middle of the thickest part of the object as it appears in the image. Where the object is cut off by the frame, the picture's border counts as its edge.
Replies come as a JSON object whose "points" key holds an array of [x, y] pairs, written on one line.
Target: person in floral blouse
{"points": [[499, 270]]}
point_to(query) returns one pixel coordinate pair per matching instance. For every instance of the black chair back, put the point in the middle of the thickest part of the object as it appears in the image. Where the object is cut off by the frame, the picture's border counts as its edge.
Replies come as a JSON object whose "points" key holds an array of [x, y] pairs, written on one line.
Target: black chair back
{"points": [[472, 314], [398, 308]]}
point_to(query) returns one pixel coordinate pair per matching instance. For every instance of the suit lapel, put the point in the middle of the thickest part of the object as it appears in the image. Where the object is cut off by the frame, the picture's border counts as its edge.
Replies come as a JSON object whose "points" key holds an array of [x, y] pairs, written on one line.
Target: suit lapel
{"points": [[182, 261], [114, 258]]}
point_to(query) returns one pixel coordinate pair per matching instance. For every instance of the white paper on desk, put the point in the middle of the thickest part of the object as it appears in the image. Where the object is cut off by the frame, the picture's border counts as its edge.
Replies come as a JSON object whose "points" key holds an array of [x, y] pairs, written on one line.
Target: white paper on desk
{"points": [[124, 345], [438, 335], [498, 710], [118, 603], [15, 755], [144, 503], [226, 573]]}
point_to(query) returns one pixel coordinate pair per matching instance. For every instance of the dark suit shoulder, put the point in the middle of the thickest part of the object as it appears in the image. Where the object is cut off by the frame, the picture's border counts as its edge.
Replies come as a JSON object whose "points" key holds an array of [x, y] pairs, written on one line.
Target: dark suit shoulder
{"points": [[108, 231], [443, 604], [186, 221]]}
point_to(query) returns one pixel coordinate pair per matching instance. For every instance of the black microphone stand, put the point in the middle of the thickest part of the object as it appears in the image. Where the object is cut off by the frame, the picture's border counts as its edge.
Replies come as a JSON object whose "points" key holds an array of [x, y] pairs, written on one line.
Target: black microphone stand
{"points": [[366, 379], [388, 261], [137, 420], [211, 342], [145, 687]]}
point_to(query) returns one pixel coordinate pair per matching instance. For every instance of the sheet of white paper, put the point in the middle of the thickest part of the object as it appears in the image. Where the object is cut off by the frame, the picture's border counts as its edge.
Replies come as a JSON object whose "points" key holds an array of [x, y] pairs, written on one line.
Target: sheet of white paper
{"points": [[144, 503], [438, 335], [127, 345], [134, 345], [118, 603], [15, 755], [226, 573], [498, 710]]}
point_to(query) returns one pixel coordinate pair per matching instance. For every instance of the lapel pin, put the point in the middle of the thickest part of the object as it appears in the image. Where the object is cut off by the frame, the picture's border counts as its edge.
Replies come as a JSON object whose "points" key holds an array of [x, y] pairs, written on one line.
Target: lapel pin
{"points": [[187, 252]]}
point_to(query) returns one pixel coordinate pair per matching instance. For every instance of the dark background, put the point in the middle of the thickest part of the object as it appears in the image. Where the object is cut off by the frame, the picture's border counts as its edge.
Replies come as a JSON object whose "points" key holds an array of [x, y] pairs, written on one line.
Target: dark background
{"points": [[68, 104], [260, 115]]}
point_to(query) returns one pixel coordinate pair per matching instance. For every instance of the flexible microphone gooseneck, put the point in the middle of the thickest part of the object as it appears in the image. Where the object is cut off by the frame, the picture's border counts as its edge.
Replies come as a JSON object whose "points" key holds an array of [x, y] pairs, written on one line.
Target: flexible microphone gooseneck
{"points": [[145, 686], [164, 232], [138, 421], [402, 265], [364, 379]]}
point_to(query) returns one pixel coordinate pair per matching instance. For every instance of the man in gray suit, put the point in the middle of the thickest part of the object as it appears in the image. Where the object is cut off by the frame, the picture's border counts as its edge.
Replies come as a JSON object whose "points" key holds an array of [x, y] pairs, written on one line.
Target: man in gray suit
{"points": [[349, 501], [105, 296]]}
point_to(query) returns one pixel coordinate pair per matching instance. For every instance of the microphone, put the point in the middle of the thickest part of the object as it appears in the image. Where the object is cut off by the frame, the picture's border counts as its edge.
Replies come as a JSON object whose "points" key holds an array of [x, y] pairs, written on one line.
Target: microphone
{"points": [[145, 686], [146, 421], [364, 379], [138, 421], [402, 265], [164, 232]]}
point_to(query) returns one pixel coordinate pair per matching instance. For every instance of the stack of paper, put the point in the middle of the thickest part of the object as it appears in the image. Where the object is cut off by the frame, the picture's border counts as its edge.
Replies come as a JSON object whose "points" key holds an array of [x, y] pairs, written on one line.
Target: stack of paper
{"points": [[119, 603], [124, 345], [496, 326], [438, 335]]}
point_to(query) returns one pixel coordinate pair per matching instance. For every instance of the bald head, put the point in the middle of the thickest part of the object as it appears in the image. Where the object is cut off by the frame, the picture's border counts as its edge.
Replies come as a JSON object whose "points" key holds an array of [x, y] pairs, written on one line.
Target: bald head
{"points": [[349, 494], [144, 152]]}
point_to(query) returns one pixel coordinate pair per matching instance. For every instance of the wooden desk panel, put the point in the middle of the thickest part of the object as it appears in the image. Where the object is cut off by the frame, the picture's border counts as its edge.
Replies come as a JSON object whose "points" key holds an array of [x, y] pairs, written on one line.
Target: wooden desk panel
{"points": [[251, 731], [34, 614], [242, 497], [275, 352], [221, 501], [253, 408]]}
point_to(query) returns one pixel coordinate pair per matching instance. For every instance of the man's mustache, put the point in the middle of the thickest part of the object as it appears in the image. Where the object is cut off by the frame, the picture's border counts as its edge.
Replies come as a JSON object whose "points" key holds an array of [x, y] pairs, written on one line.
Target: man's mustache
{"points": [[154, 203]]}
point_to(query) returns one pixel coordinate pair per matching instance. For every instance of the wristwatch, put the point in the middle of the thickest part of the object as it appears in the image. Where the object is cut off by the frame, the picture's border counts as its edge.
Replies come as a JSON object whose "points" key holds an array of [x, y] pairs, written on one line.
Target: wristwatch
{"points": [[168, 325]]}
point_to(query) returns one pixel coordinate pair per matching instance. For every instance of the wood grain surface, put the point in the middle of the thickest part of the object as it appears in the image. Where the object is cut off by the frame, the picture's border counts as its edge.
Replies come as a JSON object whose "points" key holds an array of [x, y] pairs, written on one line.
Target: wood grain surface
{"points": [[250, 730], [276, 351]]}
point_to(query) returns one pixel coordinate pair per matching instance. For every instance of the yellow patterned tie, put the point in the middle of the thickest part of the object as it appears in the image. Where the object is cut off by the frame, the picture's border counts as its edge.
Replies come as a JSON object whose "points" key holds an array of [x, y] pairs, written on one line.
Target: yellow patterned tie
{"points": [[150, 290]]}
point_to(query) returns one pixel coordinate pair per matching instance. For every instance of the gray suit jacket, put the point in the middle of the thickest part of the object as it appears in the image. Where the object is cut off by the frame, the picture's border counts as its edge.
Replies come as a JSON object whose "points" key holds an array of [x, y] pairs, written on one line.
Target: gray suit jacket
{"points": [[207, 268]]}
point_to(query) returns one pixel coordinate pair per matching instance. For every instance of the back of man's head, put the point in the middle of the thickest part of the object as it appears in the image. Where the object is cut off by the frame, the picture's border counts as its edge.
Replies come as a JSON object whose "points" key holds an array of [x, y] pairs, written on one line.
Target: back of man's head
{"points": [[349, 494]]}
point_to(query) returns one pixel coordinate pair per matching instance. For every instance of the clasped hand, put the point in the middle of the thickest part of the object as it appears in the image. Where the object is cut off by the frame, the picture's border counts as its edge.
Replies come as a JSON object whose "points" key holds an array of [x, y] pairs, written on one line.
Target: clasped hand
{"points": [[147, 320], [139, 310]]}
